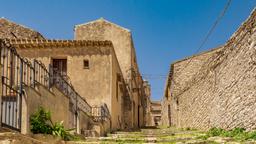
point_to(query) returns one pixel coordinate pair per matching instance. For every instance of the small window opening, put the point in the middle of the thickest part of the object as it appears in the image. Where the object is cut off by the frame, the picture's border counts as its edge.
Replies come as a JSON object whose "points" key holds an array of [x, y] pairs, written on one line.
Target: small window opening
{"points": [[86, 64]]}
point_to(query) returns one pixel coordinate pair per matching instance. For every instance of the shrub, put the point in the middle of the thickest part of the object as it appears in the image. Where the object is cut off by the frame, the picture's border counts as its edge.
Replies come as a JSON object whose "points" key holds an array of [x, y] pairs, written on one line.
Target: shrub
{"points": [[59, 130], [236, 131], [215, 132], [252, 135], [41, 122]]}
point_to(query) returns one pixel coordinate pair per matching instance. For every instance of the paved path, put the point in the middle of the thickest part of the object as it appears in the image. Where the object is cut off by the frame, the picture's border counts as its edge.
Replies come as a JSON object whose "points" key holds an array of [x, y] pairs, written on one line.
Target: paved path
{"points": [[163, 136], [147, 136]]}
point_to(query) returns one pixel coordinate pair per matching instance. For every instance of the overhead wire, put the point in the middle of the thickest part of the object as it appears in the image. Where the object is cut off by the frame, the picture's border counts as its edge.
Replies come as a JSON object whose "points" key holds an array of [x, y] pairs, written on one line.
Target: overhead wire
{"points": [[223, 12], [209, 33]]}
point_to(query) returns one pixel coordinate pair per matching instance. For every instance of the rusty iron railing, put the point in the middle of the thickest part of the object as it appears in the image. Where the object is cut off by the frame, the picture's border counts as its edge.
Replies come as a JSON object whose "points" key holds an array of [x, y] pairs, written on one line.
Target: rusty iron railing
{"points": [[100, 113], [65, 86]]}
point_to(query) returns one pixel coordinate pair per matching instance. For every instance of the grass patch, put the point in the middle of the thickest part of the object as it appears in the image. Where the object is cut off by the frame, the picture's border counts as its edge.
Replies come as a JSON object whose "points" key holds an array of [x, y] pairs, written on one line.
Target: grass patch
{"points": [[237, 134]]}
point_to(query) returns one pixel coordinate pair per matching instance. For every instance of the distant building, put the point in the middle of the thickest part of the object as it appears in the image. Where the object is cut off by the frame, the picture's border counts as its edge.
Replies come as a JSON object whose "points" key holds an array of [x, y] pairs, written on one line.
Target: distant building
{"points": [[155, 110]]}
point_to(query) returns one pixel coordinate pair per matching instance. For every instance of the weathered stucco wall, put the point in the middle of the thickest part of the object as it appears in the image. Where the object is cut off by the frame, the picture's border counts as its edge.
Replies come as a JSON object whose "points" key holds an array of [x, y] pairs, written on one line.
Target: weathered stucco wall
{"points": [[93, 84], [98, 83], [85, 123], [103, 30], [124, 48], [221, 92], [55, 102], [118, 94]]}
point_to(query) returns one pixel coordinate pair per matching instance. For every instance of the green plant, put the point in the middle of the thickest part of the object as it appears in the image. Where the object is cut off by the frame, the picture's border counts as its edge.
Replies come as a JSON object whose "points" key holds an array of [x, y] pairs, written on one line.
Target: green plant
{"points": [[236, 133], [251, 135], [59, 130], [215, 132], [40, 121]]}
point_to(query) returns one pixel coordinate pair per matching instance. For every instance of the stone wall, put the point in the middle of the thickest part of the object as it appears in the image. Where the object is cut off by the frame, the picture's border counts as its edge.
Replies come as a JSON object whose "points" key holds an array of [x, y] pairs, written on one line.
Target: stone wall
{"points": [[165, 116], [147, 101], [182, 75], [217, 88]]}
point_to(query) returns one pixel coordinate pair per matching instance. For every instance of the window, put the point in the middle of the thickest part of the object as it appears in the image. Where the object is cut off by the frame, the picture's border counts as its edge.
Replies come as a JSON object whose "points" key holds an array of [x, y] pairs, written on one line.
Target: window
{"points": [[86, 64]]}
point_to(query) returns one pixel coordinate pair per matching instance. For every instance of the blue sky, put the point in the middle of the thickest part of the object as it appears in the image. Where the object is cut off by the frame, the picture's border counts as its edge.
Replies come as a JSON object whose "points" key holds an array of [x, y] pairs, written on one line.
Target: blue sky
{"points": [[163, 30]]}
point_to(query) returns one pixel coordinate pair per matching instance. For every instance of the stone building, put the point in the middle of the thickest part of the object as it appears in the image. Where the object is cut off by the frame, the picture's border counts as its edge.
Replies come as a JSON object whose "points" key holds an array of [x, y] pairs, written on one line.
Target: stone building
{"points": [[91, 66], [11, 30], [147, 101], [121, 38], [155, 110], [166, 105], [215, 88], [100, 67]]}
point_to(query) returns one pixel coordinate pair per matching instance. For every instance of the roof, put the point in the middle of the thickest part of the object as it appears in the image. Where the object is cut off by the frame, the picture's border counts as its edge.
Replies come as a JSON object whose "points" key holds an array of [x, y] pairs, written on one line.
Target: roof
{"points": [[30, 43], [9, 29], [102, 20]]}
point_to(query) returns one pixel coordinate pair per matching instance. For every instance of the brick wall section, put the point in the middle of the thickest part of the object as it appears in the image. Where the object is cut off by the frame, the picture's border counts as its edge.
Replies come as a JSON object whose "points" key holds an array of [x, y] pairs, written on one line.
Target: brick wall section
{"points": [[12, 30], [217, 89]]}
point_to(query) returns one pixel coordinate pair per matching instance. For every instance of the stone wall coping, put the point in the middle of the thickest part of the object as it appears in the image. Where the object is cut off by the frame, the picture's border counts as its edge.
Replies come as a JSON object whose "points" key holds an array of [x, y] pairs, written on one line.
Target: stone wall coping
{"points": [[36, 43]]}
